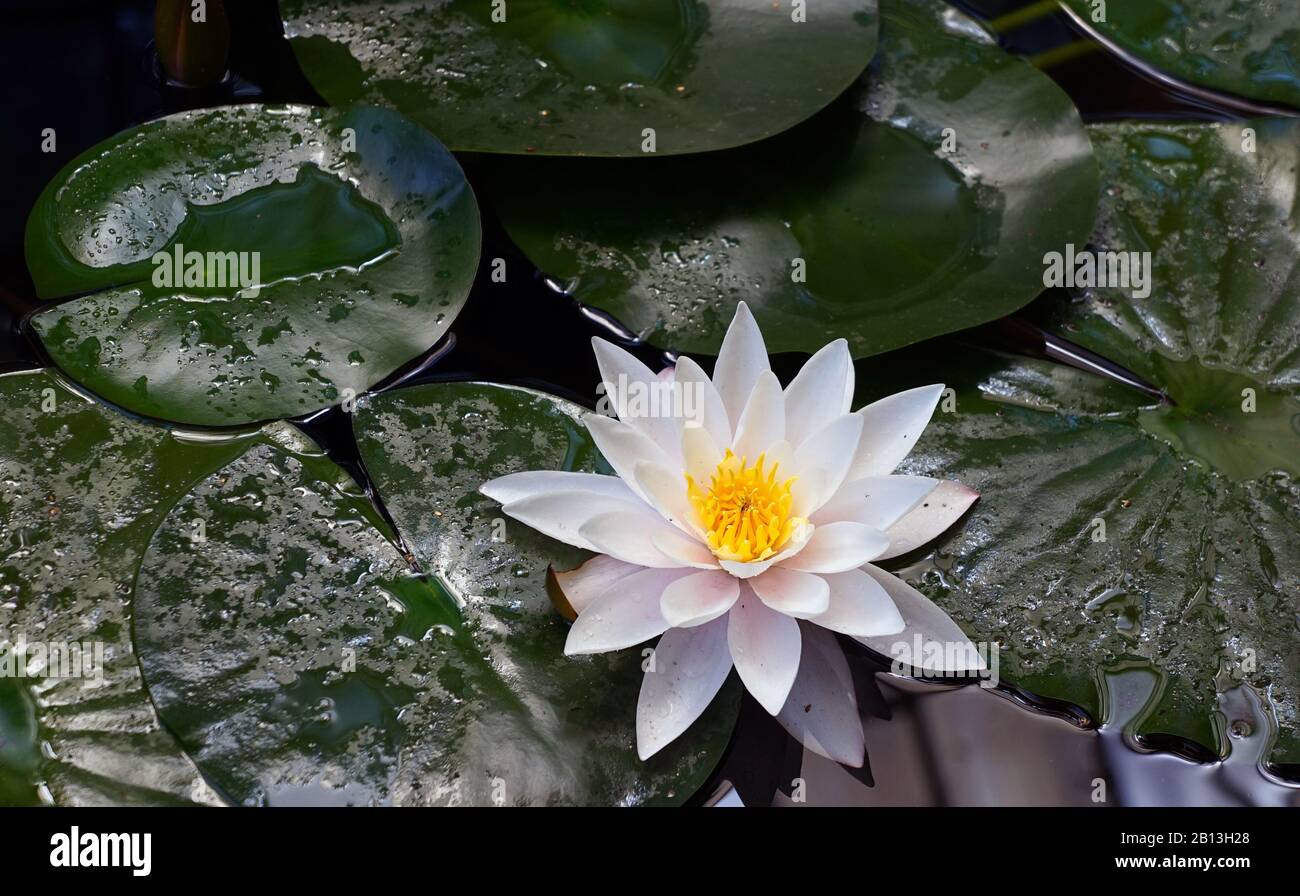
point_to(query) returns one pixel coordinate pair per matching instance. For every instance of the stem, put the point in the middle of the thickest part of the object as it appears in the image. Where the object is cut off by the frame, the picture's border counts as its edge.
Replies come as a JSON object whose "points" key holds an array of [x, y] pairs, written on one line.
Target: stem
{"points": [[1023, 16]]}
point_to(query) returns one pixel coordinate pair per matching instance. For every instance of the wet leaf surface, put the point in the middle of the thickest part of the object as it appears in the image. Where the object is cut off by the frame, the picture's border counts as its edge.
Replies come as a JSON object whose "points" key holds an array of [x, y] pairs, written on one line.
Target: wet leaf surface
{"points": [[560, 78], [859, 223], [428, 449], [363, 229], [1111, 528], [1248, 49], [81, 488], [300, 660]]}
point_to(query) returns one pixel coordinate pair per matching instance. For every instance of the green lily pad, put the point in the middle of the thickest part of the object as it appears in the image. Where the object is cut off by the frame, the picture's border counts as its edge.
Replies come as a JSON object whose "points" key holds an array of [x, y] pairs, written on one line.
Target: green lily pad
{"points": [[1251, 49], [300, 659], [587, 78], [428, 449], [1111, 528], [364, 232], [856, 224], [81, 489]]}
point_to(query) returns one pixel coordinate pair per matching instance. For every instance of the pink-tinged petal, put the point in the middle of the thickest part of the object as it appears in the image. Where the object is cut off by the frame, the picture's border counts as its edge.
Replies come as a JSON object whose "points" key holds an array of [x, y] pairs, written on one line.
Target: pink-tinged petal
{"points": [[639, 397], [822, 709], [699, 598], [624, 617], [701, 455], [593, 579], [929, 519], [765, 648], [624, 447], [799, 594], [858, 605], [763, 421], [890, 428], [798, 539], [701, 403], [820, 392], [741, 361], [688, 667], [666, 492], [838, 547], [518, 486], [828, 453], [631, 538], [923, 620], [561, 515], [876, 501], [684, 550]]}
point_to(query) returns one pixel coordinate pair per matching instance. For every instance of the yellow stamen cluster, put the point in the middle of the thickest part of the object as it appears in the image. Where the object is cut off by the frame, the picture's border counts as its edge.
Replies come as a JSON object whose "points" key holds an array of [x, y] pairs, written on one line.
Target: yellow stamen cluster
{"points": [[746, 511]]}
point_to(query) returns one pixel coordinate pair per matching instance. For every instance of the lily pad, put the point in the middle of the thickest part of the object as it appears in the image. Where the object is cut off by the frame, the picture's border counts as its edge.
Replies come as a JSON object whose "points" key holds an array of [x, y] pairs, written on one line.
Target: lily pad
{"points": [[428, 449], [81, 489], [589, 78], [1111, 529], [363, 229], [859, 223], [300, 659], [1250, 49]]}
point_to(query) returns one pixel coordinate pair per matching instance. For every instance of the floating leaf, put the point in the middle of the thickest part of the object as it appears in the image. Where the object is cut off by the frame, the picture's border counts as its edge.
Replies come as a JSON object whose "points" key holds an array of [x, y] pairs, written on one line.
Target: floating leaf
{"points": [[1247, 49], [301, 661], [1111, 529], [428, 449], [859, 223], [586, 78], [363, 229], [81, 489]]}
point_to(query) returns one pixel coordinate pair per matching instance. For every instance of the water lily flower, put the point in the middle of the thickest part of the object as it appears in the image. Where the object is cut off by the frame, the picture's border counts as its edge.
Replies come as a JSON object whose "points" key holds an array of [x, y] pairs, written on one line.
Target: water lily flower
{"points": [[741, 533]]}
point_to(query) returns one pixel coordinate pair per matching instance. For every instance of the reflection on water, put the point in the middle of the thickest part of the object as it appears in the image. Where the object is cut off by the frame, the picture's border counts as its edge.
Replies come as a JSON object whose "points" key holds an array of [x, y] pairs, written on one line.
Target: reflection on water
{"points": [[938, 745]]}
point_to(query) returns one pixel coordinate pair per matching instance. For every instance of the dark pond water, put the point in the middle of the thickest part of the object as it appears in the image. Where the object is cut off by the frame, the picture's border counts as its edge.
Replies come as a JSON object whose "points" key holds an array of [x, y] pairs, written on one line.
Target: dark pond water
{"points": [[88, 71]]}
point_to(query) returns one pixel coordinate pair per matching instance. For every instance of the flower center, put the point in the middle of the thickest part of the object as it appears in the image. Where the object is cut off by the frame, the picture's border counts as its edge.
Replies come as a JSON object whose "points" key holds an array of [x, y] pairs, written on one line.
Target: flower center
{"points": [[745, 512]]}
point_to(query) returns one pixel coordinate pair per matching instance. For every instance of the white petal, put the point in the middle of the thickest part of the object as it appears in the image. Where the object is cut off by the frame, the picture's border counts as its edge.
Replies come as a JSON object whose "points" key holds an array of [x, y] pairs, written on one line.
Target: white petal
{"points": [[666, 492], [820, 392], [592, 579], [561, 515], [924, 620], [699, 598], [765, 648], [859, 606], [624, 617], [701, 403], [631, 538], [701, 455], [684, 550], [876, 501], [623, 447], [516, 486], [763, 421], [798, 594], [741, 360], [930, 519], [837, 547], [822, 709], [639, 397], [690, 665], [828, 452], [891, 427]]}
